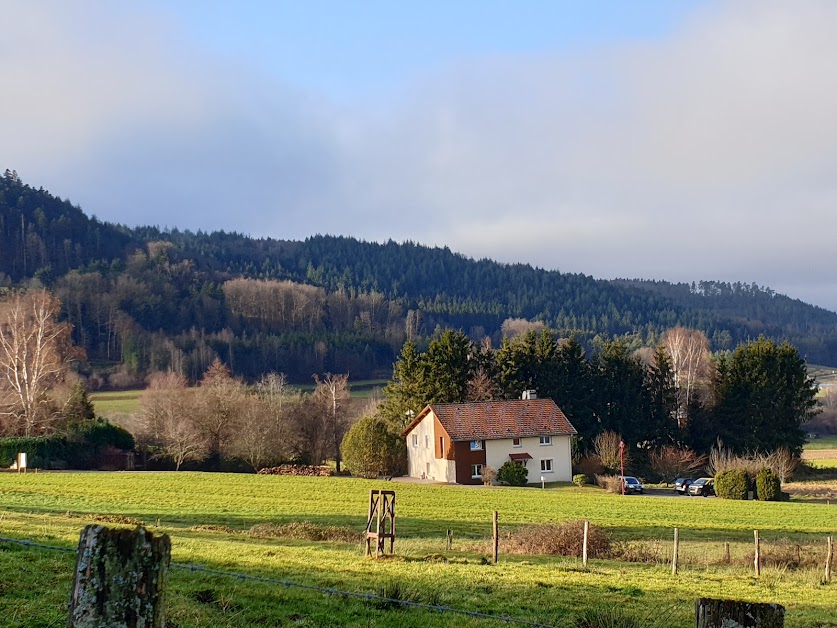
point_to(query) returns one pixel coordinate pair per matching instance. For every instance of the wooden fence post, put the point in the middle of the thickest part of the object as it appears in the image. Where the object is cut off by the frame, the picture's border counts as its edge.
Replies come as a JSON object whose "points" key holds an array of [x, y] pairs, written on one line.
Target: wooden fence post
{"points": [[584, 545], [828, 558], [711, 613], [495, 530], [676, 552], [120, 578], [757, 557], [726, 553], [449, 540]]}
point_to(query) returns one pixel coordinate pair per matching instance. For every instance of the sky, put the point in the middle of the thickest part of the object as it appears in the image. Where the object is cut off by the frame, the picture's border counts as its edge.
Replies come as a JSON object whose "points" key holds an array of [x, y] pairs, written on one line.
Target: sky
{"points": [[656, 139]]}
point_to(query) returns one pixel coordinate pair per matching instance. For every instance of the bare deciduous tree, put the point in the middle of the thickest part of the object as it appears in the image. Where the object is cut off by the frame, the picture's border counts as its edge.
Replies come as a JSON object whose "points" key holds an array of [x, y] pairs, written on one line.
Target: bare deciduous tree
{"points": [[481, 387], [167, 412], [332, 391], [265, 434], [34, 353], [672, 462], [689, 353], [221, 399], [606, 446], [515, 327]]}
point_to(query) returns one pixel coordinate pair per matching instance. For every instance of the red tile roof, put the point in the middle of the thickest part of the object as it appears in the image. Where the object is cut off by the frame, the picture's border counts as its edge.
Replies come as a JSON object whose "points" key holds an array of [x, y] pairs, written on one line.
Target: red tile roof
{"points": [[489, 420]]}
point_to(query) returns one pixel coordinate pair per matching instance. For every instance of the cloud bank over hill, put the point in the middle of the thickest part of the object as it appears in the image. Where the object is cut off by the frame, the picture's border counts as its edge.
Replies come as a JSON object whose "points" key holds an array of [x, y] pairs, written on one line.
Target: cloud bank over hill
{"points": [[708, 152]]}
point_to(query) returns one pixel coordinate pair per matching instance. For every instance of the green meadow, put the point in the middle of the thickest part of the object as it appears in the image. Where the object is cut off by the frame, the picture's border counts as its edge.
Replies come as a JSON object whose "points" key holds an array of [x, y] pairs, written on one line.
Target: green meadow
{"points": [[208, 516]]}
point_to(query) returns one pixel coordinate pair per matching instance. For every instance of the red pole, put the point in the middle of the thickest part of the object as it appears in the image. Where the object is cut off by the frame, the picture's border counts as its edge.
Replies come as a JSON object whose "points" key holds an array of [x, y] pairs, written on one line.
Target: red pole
{"points": [[622, 461]]}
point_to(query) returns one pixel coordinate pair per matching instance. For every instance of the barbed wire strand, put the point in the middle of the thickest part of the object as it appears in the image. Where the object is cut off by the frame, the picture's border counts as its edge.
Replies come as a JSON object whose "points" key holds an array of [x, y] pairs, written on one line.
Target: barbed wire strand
{"points": [[369, 597]]}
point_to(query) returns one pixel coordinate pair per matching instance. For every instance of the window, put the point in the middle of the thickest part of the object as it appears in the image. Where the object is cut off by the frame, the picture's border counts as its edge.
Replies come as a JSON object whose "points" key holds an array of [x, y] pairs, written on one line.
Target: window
{"points": [[427, 441], [476, 445], [476, 470], [415, 440], [515, 442], [546, 466], [546, 440], [442, 445]]}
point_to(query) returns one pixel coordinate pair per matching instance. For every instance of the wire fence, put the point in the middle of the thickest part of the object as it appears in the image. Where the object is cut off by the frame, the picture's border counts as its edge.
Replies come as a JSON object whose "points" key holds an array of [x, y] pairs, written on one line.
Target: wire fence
{"points": [[330, 591]]}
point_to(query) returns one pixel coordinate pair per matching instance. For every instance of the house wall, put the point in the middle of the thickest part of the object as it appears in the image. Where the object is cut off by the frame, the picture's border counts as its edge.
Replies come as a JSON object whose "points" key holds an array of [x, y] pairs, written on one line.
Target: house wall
{"points": [[426, 460], [463, 459], [560, 452]]}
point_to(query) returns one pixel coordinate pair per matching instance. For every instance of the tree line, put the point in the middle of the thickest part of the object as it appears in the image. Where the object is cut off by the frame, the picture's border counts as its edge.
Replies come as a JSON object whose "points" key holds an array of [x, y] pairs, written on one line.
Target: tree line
{"points": [[143, 299], [754, 398]]}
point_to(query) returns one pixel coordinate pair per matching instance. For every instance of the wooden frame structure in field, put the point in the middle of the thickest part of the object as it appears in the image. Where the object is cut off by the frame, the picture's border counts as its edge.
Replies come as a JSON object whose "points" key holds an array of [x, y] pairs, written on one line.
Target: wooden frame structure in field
{"points": [[382, 516]]}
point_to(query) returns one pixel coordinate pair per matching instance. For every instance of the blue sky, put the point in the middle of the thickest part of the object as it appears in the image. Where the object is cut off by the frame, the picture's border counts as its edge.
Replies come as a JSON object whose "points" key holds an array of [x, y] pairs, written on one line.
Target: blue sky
{"points": [[663, 140], [360, 50]]}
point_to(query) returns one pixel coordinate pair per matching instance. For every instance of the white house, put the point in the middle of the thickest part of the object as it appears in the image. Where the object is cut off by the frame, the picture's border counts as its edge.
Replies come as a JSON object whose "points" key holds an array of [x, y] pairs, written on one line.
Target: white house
{"points": [[453, 442]]}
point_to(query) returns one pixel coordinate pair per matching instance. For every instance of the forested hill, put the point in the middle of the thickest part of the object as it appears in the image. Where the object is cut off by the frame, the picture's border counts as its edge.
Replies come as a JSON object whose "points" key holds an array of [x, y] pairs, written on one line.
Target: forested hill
{"points": [[142, 298]]}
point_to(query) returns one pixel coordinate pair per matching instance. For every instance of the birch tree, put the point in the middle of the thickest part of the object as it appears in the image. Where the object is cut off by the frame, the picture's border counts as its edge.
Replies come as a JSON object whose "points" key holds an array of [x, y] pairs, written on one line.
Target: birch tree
{"points": [[333, 392], [35, 350], [689, 353]]}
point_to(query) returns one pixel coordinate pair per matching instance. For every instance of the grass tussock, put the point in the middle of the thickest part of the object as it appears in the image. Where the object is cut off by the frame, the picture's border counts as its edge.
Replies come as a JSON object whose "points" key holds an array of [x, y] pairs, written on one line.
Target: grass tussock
{"points": [[213, 528], [565, 539], [610, 483], [305, 531], [650, 552], [128, 521], [615, 617], [785, 554]]}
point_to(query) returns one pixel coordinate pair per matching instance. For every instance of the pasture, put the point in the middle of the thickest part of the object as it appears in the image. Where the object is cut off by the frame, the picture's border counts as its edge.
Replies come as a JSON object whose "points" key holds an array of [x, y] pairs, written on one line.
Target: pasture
{"points": [[208, 516]]}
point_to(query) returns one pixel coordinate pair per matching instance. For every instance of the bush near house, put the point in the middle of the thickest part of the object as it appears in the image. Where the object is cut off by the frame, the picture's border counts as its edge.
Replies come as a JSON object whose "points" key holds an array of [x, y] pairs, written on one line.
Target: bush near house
{"points": [[513, 474], [768, 486], [579, 479], [732, 484]]}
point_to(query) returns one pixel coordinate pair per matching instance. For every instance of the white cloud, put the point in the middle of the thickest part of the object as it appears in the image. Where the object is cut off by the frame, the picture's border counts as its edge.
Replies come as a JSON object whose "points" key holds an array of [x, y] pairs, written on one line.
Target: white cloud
{"points": [[708, 154]]}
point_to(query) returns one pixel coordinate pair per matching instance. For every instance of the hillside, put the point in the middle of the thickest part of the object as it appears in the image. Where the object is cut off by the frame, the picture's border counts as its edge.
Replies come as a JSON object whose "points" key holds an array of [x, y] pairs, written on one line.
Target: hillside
{"points": [[142, 299]]}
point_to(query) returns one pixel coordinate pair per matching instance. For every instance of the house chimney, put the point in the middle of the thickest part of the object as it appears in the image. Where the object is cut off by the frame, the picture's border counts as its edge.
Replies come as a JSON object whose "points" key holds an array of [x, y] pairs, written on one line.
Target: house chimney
{"points": [[529, 394]]}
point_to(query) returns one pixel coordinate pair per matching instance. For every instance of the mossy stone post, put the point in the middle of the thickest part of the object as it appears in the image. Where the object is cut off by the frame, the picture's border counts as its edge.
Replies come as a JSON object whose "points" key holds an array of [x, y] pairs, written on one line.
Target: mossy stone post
{"points": [[710, 613], [120, 579]]}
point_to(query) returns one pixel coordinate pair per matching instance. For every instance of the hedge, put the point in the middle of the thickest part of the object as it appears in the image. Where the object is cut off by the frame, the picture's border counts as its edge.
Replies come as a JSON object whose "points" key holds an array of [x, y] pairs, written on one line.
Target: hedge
{"points": [[732, 484], [79, 448]]}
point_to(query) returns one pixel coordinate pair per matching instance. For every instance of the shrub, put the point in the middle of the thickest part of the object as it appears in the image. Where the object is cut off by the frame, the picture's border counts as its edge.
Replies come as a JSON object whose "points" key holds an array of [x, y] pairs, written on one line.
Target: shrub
{"points": [[671, 462], [371, 448], [580, 479], [489, 475], [610, 483], [732, 484], [565, 539], [768, 486], [590, 466], [513, 474]]}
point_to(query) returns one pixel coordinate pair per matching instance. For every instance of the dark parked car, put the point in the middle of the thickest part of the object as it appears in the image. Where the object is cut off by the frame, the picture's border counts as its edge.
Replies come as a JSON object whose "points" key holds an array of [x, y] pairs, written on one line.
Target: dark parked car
{"points": [[681, 485], [631, 484], [703, 486]]}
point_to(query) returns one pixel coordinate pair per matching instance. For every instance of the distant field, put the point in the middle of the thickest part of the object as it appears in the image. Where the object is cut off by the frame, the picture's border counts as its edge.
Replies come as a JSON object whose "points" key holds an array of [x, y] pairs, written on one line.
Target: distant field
{"points": [[50, 508], [114, 403], [824, 442], [826, 463]]}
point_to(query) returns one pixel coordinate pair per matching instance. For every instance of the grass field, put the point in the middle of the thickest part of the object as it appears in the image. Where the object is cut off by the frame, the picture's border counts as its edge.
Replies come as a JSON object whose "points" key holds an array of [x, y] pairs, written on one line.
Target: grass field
{"points": [[46, 507], [114, 403]]}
